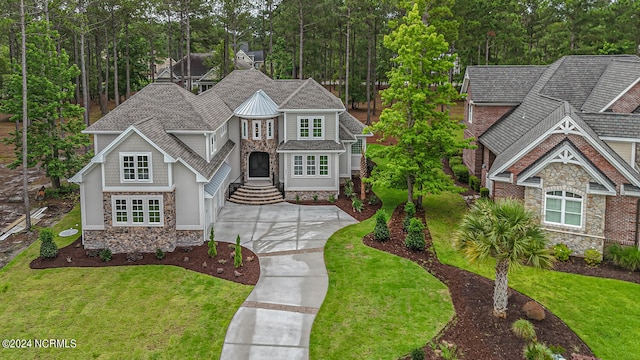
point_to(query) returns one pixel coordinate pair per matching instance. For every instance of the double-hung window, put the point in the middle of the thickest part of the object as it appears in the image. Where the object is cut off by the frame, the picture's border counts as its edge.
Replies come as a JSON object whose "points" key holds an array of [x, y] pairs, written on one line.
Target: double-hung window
{"points": [[563, 208], [137, 210], [311, 165], [269, 129], [256, 129], [213, 143], [135, 167], [311, 127]]}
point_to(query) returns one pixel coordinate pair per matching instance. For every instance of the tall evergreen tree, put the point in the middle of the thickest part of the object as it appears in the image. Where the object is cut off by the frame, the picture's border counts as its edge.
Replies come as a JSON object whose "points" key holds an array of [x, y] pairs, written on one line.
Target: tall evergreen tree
{"points": [[418, 88], [55, 124]]}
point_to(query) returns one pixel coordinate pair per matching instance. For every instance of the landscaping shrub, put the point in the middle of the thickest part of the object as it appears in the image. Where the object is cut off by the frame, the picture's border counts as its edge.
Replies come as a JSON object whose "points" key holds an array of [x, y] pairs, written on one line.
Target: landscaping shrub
{"points": [[417, 354], [561, 252], [455, 160], [48, 248], [373, 199], [537, 351], [484, 192], [474, 183], [332, 198], [237, 258], [557, 349], [592, 257], [410, 211], [627, 257], [160, 254], [524, 329], [105, 255], [315, 197], [461, 172], [213, 249], [348, 189], [381, 231], [356, 204], [415, 237]]}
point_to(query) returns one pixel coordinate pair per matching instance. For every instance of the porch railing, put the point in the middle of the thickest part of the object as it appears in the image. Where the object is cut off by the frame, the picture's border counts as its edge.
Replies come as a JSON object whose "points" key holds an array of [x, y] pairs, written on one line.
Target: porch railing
{"points": [[235, 184]]}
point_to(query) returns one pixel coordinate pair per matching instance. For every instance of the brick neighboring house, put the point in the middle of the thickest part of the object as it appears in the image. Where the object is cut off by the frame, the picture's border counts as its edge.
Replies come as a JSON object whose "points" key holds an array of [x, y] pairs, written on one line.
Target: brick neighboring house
{"points": [[565, 139]]}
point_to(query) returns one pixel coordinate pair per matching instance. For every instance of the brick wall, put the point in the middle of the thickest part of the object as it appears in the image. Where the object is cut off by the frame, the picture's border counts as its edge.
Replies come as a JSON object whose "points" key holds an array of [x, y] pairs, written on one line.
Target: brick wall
{"points": [[505, 190], [483, 118], [620, 219], [628, 102]]}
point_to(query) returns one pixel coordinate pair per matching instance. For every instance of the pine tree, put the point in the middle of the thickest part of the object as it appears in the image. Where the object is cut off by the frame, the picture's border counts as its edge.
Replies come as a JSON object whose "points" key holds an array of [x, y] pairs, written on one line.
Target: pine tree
{"points": [[55, 124]]}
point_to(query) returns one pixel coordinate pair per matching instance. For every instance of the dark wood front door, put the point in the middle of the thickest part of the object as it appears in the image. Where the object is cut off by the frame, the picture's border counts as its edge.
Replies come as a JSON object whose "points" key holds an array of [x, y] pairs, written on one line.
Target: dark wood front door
{"points": [[258, 165]]}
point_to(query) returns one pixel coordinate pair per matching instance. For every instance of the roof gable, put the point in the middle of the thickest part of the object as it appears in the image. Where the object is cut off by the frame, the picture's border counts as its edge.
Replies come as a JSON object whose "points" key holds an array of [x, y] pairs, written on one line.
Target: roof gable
{"points": [[500, 84], [311, 95]]}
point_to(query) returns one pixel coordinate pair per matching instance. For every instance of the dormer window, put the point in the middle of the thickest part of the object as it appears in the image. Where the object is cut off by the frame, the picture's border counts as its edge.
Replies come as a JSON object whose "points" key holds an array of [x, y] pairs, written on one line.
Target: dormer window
{"points": [[212, 144], [311, 127], [135, 167]]}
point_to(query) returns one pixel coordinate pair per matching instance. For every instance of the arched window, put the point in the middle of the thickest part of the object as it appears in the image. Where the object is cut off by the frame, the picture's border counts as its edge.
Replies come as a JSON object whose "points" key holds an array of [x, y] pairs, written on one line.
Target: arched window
{"points": [[563, 207]]}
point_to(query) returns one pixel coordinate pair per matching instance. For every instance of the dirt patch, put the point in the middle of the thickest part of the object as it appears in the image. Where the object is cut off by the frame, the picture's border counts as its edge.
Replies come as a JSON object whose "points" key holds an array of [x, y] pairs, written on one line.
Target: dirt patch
{"points": [[193, 258], [474, 330]]}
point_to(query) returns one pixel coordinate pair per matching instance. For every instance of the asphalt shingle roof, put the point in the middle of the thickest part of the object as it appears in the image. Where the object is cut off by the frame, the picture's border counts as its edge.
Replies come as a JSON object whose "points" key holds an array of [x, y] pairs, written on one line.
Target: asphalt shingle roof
{"points": [[613, 124], [506, 84], [310, 145], [619, 75], [353, 125], [311, 95]]}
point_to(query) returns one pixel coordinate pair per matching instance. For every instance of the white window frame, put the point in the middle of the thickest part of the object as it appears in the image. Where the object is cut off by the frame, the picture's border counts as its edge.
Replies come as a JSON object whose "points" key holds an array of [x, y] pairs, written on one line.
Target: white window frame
{"points": [[563, 200], [244, 129], [223, 129], [299, 166], [212, 142], [358, 144], [128, 201], [310, 169], [253, 129], [269, 129], [311, 127], [136, 168], [470, 113]]}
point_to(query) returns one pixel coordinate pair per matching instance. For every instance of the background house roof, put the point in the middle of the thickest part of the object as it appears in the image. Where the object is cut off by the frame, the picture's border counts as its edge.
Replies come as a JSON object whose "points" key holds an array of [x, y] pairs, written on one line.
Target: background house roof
{"points": [[199, 64], [502, 84]]}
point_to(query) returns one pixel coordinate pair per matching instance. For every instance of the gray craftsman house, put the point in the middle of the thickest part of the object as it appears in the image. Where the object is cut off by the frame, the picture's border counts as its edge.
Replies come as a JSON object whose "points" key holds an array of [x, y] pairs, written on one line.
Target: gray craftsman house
{"points": [[565, 139], [167, 160]]}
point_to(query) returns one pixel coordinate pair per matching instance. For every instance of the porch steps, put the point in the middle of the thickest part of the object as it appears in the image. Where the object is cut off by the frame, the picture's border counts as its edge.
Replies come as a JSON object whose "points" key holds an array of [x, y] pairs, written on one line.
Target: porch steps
{"points": [[254, 194]]}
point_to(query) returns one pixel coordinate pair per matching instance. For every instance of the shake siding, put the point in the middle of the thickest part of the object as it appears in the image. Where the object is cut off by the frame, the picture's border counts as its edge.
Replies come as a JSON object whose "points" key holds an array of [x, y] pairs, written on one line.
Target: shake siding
{"points": [[622, 148], [93, 211], [135, 144], [197, 142], [187, 196], [102, 140], [329, 125]]}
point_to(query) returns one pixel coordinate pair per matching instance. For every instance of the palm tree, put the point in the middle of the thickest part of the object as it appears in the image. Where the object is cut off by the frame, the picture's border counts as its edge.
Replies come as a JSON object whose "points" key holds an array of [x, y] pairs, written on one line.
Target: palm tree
{"points": [[505, 231]]}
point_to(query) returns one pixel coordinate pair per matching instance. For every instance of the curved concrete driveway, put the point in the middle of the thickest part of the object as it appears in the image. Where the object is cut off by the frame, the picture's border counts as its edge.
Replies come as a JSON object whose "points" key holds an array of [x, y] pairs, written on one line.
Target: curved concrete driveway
{"points": [[275, 320]]}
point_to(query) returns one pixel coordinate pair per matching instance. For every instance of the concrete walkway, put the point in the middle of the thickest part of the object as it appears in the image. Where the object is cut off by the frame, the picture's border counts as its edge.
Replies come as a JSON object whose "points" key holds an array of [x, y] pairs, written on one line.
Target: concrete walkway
{"points": [[275, 320]]}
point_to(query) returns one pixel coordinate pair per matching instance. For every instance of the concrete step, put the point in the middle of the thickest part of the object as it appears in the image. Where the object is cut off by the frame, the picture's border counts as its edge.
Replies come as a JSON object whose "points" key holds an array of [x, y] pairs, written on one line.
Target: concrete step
{"points": [[256, 198], [257, 186], [257, 192], [251, 202]]}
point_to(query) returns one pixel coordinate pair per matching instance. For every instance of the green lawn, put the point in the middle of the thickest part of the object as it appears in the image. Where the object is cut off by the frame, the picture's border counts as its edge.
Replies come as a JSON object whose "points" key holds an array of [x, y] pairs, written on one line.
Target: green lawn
{"points": [[137, 312], [379, 306], [603, 312]]}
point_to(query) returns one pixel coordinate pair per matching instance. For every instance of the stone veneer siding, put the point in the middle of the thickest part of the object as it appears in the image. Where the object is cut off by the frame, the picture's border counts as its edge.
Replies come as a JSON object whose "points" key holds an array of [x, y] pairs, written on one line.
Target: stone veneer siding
{"points": [[308, 195], [573, 178], [247, 146], [123, 239]]}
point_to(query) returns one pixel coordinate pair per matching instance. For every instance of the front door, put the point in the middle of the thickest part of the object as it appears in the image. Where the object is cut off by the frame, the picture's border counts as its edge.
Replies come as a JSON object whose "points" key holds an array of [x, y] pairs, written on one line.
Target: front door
{"points": [[259, 165]]}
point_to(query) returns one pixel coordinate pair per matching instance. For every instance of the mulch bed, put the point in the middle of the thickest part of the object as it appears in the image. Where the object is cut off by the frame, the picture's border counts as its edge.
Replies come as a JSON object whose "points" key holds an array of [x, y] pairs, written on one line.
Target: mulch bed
{"points": [[577, 265], [193, 258], [344, 203], [474, 330]]}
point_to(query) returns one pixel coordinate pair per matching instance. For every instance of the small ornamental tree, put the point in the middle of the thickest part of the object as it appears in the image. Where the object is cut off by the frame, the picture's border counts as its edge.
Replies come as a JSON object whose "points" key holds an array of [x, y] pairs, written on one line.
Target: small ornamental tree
{"points": [[415, 237], [237, 258], [48, 248], [213, 250], [410, 211], [381, 231]]}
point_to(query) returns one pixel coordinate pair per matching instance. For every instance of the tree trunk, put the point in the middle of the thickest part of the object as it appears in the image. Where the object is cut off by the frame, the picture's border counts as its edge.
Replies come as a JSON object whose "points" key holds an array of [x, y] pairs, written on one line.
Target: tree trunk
{"points": [[75, 59], [500, 290], [301, 40], [128, 65], [106, 67], [83, 68], [25, 162], [182, 57], [101, 99], [409, 188], [116, 91], [369, 45], [188, 39], [270, 4], [346, 79]]}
